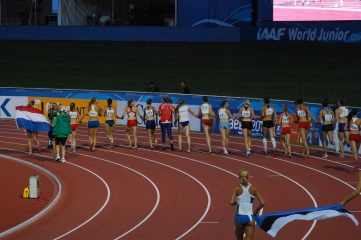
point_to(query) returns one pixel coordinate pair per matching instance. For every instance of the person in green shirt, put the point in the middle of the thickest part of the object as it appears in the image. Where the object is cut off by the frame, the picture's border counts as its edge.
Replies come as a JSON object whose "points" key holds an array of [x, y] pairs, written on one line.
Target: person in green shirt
{"points": [[61, 131]]}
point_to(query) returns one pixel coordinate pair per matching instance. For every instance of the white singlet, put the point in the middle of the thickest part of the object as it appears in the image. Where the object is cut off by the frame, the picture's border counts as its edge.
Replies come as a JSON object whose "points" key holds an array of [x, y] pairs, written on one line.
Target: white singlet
{"points": [[93, 113], [205, 108], [222, 113], [246, 113], [285, 119], [183, 114], [344, 112], [73, 114], [301, 113], [245, 201], [353, 126]]}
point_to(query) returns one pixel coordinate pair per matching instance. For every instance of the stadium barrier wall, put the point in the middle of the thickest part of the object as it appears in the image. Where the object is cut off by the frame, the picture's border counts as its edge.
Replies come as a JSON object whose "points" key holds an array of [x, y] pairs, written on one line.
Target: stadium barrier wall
{"points": [[11, 97]]}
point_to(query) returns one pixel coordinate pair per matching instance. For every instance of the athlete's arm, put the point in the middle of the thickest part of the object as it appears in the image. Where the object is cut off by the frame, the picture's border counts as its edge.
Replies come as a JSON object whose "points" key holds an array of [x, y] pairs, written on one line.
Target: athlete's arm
{"points": [[355, 193]]}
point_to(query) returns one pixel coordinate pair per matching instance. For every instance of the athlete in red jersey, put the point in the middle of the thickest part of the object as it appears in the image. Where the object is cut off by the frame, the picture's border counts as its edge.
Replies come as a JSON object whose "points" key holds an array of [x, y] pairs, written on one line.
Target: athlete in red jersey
{"points": [[165, 111]]}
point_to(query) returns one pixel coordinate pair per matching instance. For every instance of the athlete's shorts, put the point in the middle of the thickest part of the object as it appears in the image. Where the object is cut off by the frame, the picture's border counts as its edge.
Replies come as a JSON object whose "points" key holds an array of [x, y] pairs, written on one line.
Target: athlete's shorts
{"points": [[327, 128], [244, 219], [110, 123], [285, 130], [74, 126], [208, 122], [355, 137], [61, 140], [224, 125], [132, 123], [305, 125], [150, 124], [184, 123], [341, 127], [247, 124], [93, 124], [268, 124]]}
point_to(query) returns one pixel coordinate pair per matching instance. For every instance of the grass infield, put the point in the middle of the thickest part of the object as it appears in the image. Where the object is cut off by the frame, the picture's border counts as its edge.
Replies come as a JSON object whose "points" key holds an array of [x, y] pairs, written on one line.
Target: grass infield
{"points": [[277, 70]]}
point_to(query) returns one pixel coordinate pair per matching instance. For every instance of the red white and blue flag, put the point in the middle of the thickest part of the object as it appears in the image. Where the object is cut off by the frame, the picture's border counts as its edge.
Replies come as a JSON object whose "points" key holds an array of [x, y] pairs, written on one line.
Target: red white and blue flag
{"points": [[32, 119], [272, 223]]}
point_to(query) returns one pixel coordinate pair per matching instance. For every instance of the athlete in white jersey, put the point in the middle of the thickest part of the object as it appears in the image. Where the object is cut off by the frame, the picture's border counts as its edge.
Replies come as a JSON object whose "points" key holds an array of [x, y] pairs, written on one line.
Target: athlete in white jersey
{"points": [[205, 112], [74, 124], [354, 138], [242, 197], [341, 114], [286, 119], [182, 117]]}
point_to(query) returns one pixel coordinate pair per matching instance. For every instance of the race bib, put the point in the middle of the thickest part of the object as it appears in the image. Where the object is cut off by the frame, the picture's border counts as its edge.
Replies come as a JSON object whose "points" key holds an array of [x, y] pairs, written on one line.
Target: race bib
{"points": [[149, 113], [110, 113], [222, 115], [73, 114], [204, 109], [285, 119], [353, 127], [301, 113], [246, 114], [269, 111], [93, 114], [328, 117]]}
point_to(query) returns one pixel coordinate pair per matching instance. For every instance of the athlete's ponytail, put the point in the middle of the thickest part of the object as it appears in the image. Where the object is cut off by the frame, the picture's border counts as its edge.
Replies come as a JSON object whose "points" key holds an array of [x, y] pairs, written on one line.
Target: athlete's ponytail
{"points": [[72, 106], [243, 175], [325, 102], [130, 102], [351, 114], [181, 102]]}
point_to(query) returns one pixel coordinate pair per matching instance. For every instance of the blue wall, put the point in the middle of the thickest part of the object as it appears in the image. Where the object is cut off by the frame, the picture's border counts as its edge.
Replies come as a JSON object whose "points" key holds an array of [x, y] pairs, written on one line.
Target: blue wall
{"points": [[163, 34]]}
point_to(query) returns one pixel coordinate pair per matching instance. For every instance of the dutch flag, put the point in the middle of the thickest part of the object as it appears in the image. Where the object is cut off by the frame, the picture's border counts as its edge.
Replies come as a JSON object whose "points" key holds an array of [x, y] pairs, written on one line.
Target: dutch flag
{"points": [[32, 119], [272, 223]]}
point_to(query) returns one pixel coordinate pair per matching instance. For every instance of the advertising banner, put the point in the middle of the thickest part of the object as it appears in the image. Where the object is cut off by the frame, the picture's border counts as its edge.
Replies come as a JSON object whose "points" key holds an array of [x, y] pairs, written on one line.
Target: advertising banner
{"points": [[8, 104], [310, 31], [44, 105]]}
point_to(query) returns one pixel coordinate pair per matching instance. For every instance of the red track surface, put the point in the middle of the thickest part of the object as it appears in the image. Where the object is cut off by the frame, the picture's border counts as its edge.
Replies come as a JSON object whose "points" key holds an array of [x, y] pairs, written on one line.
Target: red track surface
{"points": [[144, 194]]}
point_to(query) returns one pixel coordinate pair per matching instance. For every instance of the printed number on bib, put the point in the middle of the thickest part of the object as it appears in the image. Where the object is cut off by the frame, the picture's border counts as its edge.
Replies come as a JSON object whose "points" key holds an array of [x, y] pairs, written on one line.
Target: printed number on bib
{"points": [[328, 117], [246, 113], [301, 113]]}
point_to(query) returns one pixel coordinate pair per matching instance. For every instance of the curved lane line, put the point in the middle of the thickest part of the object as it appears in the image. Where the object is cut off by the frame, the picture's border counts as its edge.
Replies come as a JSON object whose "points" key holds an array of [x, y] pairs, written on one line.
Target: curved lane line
{"points": [[45, 210]]}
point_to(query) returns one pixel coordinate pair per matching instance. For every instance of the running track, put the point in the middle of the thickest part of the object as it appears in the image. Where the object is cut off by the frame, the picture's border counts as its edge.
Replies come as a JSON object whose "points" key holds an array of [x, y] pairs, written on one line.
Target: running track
{"points": [[144, 194]]}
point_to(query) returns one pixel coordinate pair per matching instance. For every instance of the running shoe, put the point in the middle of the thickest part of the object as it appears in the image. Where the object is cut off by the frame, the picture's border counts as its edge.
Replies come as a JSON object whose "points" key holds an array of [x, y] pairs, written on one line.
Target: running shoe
{"points": [[57, 158], [248, 154], [92, 147], [325, 156], [171, 147], [337, 148], [63, 160], [225, 151]]}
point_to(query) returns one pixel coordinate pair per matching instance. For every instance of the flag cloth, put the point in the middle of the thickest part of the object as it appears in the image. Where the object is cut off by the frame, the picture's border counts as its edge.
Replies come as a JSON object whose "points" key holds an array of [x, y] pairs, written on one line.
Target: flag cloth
{"points": [[32, 119], [273, 222]]}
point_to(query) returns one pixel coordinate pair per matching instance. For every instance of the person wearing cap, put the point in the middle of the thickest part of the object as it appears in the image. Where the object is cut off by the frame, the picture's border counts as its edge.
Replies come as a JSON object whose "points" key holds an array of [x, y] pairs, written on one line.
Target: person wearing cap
{"points": [[247, 113], [153, 87], [61, 131]]}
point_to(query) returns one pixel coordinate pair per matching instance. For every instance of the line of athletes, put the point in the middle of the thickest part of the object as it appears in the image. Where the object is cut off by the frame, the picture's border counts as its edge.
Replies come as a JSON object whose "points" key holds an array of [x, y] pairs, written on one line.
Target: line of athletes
{"points": [[348, 128]]}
